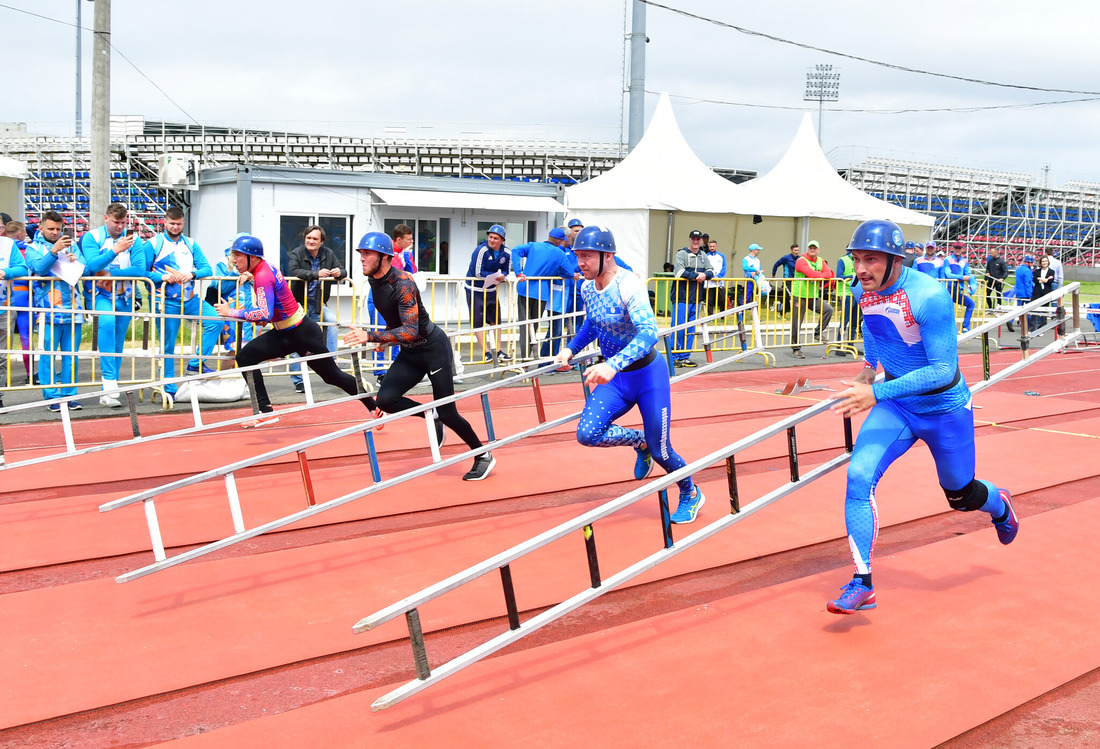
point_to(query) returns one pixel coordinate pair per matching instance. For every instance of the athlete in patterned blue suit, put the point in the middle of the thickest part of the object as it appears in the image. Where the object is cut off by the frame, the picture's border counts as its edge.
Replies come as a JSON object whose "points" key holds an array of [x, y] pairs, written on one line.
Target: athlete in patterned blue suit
{"points": [[909, 328], [618, 315]]}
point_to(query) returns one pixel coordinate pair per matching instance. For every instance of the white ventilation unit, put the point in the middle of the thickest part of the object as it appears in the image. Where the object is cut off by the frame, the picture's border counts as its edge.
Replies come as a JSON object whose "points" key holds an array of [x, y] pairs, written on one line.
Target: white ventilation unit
{"points": [[178, 171]]}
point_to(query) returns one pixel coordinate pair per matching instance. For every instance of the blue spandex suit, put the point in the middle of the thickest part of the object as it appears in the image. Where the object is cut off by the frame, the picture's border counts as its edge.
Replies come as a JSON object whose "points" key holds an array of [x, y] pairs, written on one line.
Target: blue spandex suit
{"points": [[620, 318], [909, 328]]}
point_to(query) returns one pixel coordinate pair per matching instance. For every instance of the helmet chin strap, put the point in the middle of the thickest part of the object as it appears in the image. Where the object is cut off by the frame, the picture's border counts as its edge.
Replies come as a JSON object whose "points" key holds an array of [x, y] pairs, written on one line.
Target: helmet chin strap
{"points": [[889, 268], [600, 271]]}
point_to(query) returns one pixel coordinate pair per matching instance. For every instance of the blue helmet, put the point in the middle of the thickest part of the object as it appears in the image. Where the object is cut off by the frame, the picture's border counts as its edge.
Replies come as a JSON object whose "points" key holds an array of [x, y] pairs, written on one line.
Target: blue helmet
{"points": [[595, 238], [246, 244], [880, 236], [497, 229], [230, 247], [575, 222], [377, 241], [910, 245]]}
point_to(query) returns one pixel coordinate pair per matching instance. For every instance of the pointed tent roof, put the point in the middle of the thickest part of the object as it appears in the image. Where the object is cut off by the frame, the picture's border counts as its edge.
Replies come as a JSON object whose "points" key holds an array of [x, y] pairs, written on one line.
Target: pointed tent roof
{"points": [[804, 183], [661, 173], [10, 167]]}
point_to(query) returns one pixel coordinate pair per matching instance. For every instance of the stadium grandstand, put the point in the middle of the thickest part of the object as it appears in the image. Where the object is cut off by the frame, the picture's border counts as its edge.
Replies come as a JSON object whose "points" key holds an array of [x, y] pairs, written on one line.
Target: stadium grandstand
{"points": [[985, 209], [981, 208]]}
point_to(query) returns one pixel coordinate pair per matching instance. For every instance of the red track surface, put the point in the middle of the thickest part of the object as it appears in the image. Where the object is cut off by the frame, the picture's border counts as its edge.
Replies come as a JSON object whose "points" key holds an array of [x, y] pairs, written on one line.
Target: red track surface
{"points": [[719, 665]]}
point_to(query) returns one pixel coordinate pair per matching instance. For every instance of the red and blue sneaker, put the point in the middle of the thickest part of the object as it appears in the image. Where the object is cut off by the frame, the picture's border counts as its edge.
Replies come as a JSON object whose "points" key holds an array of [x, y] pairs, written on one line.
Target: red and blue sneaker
{"points": [[1010, 526], [643, 464], [855, 597]]}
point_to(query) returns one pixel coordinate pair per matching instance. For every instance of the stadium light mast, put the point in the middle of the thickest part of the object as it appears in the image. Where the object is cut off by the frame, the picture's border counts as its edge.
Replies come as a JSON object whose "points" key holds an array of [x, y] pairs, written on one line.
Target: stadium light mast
{"points": [[101, 112], [79, 114], [637, 74], [822, 85]]}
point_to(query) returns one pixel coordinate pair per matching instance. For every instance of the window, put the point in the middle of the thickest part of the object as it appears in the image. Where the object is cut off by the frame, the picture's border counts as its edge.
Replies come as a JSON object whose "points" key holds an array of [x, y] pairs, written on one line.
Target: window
{"points": [[431, 241], [292, 231]]}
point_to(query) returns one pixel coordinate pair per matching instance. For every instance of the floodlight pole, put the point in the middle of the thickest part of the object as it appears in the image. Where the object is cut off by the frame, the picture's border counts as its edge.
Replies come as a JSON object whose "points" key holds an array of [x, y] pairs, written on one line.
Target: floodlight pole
{"points": [[822, 85], [101, 112]]}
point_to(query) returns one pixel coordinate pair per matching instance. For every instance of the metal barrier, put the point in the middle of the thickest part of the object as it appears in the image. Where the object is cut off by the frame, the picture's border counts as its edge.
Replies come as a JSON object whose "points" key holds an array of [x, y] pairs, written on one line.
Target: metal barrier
{"points": [[148, 497], [584, 523]]}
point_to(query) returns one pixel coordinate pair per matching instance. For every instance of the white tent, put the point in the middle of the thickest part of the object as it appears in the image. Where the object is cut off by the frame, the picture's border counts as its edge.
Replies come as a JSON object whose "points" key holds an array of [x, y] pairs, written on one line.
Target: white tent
{"points": [[804, 184], [662, 173], [12, 175]]}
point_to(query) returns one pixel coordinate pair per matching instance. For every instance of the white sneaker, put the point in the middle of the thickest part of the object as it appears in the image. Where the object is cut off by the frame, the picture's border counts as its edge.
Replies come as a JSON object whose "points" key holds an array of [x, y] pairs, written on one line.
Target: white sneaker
{"points": [[110, 401], [262, 419]]}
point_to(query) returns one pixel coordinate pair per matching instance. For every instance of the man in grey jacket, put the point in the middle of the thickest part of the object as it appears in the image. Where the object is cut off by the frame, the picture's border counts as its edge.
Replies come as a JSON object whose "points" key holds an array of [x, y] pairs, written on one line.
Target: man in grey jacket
{"points": [[318, 268], [692, 270]]}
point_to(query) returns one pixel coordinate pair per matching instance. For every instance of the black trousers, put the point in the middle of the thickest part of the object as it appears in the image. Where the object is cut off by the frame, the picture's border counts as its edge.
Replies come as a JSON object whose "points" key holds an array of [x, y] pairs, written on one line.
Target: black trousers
{"points": [[303, 339], [433, 359]]}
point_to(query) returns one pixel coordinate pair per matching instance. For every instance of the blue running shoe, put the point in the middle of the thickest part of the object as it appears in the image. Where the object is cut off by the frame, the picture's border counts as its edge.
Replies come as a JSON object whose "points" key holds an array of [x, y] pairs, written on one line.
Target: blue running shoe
{"points": [[688, 508], [1010, 526], [643, 464], [855, 597]]}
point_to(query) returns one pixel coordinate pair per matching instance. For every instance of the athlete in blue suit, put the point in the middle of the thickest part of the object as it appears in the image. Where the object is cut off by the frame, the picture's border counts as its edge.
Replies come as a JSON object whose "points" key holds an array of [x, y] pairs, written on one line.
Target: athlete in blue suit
{"points": [[618, 315], [909, 328]]}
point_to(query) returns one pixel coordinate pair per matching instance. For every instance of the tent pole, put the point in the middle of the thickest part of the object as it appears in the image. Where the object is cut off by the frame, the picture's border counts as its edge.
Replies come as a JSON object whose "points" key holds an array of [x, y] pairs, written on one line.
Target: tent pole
{"points": [[668, 242]]}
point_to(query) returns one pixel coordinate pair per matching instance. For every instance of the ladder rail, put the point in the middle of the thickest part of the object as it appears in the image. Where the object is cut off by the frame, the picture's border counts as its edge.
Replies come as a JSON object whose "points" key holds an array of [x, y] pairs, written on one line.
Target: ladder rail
{"points": [[610, 583], [320, 440], [585, 521], [581, 521], [379, 485]]}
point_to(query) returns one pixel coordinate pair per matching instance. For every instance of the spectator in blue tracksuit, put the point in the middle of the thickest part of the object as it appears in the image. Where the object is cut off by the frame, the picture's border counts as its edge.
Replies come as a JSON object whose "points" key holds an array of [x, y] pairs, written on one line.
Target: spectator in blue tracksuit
{"points": [[692, 269], [539, 260], [956, 269], [930, 263], [61, 304], [177, 262], [1024, 286], [108, 251], [783, 290], [489, 265], [12, 265]]}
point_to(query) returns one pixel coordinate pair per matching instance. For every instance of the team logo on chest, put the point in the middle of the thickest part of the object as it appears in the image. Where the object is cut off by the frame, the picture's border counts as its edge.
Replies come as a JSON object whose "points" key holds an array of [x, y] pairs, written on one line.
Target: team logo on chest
{"points": [[894, 310]]}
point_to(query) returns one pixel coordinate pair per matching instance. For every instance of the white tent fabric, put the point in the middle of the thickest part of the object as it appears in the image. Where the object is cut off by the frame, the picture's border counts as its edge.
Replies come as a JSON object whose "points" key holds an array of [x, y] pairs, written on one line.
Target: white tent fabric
{"points": [[10, 167], [662, 173], [631, 230], [803, 183]]}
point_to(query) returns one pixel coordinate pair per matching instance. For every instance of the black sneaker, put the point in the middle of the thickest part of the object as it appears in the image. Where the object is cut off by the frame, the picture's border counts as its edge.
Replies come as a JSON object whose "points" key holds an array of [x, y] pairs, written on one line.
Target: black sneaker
{"points": [[440, 433], [482, 465], [688, 363], [75, 406], [489, 357], [503, 357], [678, 363], [299, 387]]}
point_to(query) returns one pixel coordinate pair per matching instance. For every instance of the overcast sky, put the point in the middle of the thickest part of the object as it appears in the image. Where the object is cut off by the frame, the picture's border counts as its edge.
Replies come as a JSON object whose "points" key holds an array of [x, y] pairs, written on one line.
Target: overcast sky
{"points": [[554, 69]]}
